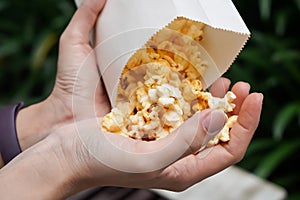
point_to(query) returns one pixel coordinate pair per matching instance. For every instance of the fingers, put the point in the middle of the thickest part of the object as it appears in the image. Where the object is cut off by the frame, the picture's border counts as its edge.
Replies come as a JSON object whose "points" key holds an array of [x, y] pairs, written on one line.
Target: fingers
{"points": [[187, 139], [195, 168], [80, 26], [196, 131], [142, 157], [220, 87], [241, 90], [248, 120]]}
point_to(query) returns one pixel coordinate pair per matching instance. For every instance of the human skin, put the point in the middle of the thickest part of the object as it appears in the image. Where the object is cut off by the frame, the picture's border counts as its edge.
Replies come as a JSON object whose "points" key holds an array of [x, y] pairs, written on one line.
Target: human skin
{"points": [[60, 165]]}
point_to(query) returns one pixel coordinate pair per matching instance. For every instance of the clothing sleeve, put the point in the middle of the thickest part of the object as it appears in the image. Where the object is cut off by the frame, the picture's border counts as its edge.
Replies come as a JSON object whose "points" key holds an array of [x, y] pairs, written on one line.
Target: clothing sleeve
{"points": [[9, 144]]}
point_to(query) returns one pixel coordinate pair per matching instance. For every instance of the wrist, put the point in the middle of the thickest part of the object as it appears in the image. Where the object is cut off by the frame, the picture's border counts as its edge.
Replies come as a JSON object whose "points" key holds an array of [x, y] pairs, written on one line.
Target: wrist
{"points": [[35, 122], [85, 170], [40, 167], [1, 161], [72, 158]]}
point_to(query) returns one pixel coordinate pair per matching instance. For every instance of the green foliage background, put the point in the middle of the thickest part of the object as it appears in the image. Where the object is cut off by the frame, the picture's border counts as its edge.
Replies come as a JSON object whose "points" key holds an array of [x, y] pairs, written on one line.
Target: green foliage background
{"points": [[270, 62]]}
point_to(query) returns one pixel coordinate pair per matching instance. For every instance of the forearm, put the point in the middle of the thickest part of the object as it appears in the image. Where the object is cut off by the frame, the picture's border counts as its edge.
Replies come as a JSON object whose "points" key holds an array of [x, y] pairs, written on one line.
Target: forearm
{"points": [[35, 122], [37, 173]]}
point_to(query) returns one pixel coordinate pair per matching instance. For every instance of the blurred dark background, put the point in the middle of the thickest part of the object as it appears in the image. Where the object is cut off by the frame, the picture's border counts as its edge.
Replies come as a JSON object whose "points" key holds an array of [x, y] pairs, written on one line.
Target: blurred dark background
{"points": [[270, 62]]}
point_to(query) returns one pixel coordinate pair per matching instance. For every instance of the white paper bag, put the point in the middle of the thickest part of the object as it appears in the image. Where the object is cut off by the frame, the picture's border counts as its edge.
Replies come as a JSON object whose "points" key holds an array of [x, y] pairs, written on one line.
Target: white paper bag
{"points": [[124, 26]]}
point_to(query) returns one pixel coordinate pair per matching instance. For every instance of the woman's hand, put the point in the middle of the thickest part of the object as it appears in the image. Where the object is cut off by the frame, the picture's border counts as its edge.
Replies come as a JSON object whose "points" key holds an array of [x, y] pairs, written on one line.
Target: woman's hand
{"points": [[80, 155], [76, 68], [168, 163]]}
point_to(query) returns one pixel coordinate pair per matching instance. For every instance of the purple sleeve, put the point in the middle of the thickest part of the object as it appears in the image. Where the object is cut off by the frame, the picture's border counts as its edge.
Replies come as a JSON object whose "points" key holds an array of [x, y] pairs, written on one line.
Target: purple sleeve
{"points": [[9, 144]]}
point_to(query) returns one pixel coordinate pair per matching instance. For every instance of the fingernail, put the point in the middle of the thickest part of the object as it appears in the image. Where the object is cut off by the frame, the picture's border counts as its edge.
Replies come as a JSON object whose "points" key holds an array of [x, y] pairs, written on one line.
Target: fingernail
{"points": [[213, 124], [261, 96]]}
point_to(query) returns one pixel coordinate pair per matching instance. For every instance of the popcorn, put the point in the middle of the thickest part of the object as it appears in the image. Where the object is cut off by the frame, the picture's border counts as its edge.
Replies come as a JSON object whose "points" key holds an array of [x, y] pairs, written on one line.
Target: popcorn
{"points": [[160, 86], [225, 104], [166, 101], [223, 135], [113, 121]]}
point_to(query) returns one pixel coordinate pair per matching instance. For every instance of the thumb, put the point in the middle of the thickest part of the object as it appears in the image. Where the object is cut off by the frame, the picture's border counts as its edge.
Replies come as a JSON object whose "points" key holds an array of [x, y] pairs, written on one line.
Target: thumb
{"points": [[212, 125], [133, 156], [195, 132]]}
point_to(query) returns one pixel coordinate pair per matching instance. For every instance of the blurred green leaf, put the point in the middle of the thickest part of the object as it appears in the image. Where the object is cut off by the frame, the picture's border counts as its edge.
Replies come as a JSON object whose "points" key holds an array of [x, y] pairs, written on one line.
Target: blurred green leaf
{"points": [[265, 9], [250, 162], [260, 145], [284, 118], [294, 196], [288, 179], [8, 26], [3, 5], [288, 58], [272, 160], [297, 2], [281, 22], [43, 48], [28, 30], [10, 46]]}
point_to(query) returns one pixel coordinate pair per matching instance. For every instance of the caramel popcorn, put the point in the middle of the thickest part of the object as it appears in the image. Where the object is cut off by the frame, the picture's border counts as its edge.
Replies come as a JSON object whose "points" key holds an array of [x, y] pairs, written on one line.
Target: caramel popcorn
{"points": [[223, 135], [160, 86]]}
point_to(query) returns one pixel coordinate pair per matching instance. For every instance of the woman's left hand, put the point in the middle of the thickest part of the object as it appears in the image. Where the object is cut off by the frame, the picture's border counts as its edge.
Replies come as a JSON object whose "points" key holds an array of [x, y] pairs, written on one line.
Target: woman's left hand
{"points": [[77, 82]]}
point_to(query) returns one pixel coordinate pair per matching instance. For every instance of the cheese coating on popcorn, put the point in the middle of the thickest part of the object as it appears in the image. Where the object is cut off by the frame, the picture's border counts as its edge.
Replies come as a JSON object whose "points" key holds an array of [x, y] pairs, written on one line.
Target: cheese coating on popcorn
{"points": [[160, 86]]}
